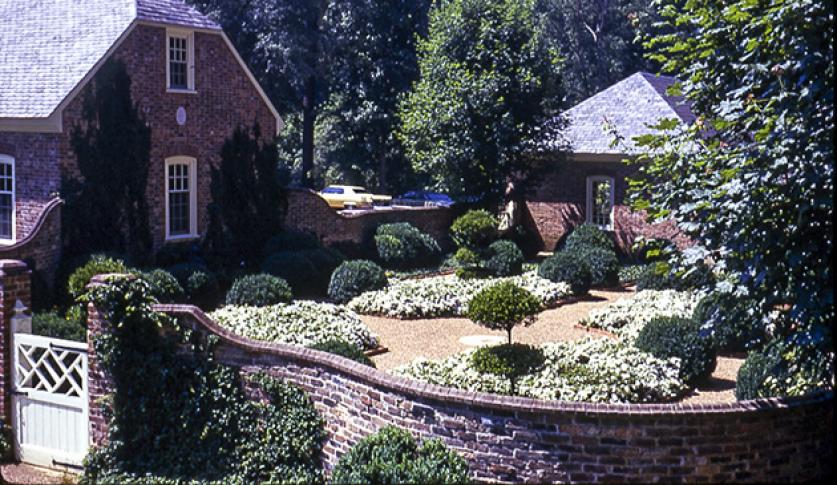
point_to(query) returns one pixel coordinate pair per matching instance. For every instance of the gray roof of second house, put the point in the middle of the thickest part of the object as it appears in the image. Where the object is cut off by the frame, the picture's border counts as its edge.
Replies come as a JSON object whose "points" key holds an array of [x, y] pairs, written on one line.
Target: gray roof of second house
{"points": [[47, 47], [625, 109]]}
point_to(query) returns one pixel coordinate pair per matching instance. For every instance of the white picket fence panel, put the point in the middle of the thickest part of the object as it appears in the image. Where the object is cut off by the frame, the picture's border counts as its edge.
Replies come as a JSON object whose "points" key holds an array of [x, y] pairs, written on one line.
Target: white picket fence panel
{"points": [[50, 402]]}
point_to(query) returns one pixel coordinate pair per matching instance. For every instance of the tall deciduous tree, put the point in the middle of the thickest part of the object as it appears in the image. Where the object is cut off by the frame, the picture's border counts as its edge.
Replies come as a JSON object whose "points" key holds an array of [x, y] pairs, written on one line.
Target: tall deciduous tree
{"points": [[597, 39], [752, 180], [489, 80], [106, 207]]}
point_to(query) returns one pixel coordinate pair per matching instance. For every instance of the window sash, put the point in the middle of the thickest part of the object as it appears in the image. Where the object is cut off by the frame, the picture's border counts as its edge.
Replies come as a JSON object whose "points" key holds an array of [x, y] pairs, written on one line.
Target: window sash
{"points": [[178, 62], [180, 199], [600, 201], [7, 199]]}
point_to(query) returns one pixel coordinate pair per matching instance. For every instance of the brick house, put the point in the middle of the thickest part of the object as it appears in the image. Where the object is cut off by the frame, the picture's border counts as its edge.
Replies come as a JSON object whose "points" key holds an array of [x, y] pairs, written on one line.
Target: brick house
{"points": [[191, 86], [585, 178]]}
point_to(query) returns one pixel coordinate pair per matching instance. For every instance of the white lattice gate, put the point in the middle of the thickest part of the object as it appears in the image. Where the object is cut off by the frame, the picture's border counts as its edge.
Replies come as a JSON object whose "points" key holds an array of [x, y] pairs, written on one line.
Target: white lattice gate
{"points": [[50, 405]]}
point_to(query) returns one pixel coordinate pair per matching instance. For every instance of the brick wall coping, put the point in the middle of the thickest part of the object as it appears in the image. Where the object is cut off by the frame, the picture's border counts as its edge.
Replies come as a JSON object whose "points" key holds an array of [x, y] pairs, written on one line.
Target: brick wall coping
{"points": [[48, 208], [424, 390], [12, 267], [366, 213]]}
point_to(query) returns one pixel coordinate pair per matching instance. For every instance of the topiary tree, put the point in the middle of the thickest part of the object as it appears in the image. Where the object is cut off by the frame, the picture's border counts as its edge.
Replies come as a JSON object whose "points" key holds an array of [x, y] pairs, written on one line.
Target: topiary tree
{"points": [[565, 267], [511, 361], [475, 230], [352, 278], [259, 290], [587, 236], [392, 455], [503, 306], [504, 258], [666, 337]]}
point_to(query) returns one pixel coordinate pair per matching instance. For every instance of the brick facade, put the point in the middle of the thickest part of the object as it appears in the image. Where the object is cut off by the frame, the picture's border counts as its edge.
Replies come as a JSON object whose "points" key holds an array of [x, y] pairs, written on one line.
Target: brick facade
{"points": [[513, 440], [308, 212], [224, 99], [41, 248], [558, 203]]}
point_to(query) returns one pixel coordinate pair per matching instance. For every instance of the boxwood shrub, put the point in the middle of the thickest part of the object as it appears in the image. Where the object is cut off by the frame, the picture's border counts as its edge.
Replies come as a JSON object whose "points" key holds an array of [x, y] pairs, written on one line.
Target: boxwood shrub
{"points": [[344, 349], [392, 455], [291, 241], [259, 290], [603, 263], [402, 246], [511, 361], [566, 267], [307, 271], [784, 369], [588, 236], [666, 337], [352, 278], [734, 322], [51, 324], [503, 306], [164, 286], [199, 283], [96, 264], [475, 229], [504, 259]]}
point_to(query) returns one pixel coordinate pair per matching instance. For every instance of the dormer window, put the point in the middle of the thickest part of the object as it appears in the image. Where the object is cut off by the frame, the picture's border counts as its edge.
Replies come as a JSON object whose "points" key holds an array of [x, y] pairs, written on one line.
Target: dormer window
{"points": [[180, 67]]}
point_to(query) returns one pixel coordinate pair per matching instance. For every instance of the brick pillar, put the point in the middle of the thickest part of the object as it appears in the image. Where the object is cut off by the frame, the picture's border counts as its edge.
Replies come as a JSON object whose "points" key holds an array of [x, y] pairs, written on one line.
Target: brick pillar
{"points": [[14, 285]]}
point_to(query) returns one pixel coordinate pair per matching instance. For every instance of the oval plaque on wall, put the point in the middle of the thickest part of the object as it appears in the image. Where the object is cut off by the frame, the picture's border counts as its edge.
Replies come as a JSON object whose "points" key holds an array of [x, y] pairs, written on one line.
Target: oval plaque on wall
{"points": [[181, 116]]}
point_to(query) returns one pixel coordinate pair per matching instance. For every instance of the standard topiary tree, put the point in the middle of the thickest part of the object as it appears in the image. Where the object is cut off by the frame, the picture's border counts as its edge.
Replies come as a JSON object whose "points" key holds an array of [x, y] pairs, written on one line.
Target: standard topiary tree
{"points": [[475, 230], [503, 306], [392, 455], [587, 236], [352, 278], [566, 267], [259, 290], [666, 337], [504, 258], [511, 361]]}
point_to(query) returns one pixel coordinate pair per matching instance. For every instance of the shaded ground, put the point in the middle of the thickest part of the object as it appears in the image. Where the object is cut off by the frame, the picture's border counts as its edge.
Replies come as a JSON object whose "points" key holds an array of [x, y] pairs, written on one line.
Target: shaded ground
{"points": [[23, 474], [439, 337]]}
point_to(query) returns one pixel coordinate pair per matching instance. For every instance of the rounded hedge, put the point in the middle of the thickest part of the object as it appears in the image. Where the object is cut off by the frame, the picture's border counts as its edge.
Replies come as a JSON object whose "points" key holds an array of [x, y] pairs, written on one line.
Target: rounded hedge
{"points": [[475, 229], [164, 286], [392, 455], [465, 257], [51, 324], [603, 264], [352, 278], [343, 349], [503, 306], [785, 368], [504, 258], [589, 236], [666, 337], [259, 290], [401, 245], [568, 268], [733, 321], [511, 361], [95, 265]]}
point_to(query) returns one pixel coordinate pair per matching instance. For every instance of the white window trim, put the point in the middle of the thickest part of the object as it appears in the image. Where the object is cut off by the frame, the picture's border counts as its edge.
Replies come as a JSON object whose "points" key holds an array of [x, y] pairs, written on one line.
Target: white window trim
{"points": [[190, 61], [600, 178], [193, 196], [11, 161]]}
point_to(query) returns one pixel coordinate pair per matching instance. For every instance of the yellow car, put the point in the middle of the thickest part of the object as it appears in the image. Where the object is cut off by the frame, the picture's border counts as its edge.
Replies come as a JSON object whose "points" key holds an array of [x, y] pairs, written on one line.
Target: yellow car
{"points": [[352, 197]]}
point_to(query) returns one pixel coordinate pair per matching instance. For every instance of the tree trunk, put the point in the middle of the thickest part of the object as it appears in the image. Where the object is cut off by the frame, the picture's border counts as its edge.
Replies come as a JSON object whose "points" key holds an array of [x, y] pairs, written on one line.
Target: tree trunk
{"points": [[509, 330], [308, 116]]}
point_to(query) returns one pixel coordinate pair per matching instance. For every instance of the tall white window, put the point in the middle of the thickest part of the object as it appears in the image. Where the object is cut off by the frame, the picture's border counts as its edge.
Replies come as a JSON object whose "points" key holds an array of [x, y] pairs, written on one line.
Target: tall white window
{"points": [[7, 199], [181, 198], [180, 66], [600, 201]]}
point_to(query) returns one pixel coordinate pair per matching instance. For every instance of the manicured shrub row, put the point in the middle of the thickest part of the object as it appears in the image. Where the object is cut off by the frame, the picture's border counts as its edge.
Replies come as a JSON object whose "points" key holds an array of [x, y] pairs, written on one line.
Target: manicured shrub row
{"points": [[304, 323], [353, 278], [588, 370]]}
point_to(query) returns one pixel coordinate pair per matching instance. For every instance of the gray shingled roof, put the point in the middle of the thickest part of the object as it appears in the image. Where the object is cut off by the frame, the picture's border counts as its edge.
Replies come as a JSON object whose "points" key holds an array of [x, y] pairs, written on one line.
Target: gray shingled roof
{"points": [[48, 46], [629, 106]]}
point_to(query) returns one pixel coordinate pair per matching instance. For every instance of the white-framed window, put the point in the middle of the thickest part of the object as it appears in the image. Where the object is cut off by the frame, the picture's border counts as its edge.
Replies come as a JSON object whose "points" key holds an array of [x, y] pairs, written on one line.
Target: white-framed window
{"points": [[600, 201], [180, 61], [181, 198], [8, 232]]}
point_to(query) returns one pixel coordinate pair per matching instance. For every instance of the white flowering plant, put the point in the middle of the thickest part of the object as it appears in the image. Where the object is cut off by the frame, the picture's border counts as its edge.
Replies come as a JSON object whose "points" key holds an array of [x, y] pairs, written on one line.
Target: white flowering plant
{"points": [[589, 370], [627, 316], [302, 322], [447, 296]]}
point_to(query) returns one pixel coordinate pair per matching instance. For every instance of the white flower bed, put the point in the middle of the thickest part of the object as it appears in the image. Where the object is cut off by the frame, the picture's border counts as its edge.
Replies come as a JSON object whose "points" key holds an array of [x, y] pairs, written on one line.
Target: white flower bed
{"points": [[589, 370], [627, 316], [445, 296], [302, 323]]}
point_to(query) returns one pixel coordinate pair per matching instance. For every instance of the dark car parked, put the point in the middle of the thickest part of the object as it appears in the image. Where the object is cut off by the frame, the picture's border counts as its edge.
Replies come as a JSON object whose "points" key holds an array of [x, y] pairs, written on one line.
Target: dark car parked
{"points": [[424, 198]]}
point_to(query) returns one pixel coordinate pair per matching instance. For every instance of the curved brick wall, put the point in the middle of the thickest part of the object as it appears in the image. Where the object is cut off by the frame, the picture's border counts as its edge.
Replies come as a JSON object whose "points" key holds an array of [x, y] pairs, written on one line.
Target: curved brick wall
{"points": [[519, 439], [42, 245]]}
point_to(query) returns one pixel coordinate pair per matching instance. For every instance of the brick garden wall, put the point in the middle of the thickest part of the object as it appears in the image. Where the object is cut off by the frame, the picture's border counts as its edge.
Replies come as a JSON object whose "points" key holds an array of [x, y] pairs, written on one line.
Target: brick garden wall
{"points": [[14, 285], [558, 204], [525, 440], [308, 212], [41, 248]]}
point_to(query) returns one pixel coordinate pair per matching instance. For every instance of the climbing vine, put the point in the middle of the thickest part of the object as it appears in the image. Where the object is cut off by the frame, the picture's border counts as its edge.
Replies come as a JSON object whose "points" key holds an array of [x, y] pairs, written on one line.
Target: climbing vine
{"points": [[178, 415]]}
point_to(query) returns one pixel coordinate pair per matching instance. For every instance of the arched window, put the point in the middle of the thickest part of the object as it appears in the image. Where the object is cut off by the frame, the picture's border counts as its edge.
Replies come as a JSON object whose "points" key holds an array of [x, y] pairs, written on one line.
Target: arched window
{"points": [[181, 198], [7, 200], [600, 201]]}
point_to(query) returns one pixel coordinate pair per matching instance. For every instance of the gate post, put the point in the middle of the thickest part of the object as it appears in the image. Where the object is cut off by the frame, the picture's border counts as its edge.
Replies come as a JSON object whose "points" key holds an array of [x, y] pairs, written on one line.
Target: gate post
{"points": [[14, 285]]}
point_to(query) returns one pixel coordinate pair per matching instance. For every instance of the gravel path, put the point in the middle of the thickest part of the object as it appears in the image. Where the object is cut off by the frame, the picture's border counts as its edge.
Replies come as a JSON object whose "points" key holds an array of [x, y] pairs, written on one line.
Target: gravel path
{"points": [[23, 474], [439, 337]]}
